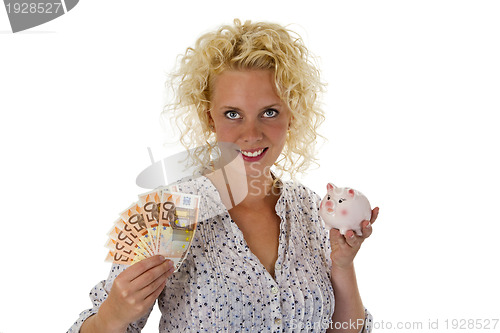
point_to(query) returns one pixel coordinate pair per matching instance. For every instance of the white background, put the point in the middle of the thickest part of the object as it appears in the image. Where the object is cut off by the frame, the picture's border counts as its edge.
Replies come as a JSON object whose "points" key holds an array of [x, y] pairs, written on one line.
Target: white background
{"points": [[413, 88]]}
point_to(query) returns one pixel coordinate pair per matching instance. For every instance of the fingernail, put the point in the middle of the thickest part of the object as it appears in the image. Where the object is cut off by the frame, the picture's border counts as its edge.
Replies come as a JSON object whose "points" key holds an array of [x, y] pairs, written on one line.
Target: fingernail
{"points": [[352, 236], [170, 264], [369, 225]]}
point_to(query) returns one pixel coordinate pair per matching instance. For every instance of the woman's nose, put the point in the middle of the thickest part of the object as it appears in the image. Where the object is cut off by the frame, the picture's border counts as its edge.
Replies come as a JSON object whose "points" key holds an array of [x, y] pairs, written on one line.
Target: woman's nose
{"points": [[251, 132]]}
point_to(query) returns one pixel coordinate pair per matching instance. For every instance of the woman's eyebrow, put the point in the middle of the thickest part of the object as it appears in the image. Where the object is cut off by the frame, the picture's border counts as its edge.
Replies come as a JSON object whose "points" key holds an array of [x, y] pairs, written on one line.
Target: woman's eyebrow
{"points": [[271, 106], [229, 107]]}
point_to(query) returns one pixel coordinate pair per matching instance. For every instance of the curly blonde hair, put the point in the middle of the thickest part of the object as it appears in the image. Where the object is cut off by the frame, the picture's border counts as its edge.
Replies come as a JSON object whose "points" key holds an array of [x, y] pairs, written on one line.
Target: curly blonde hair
{"points": [[259, 45]]}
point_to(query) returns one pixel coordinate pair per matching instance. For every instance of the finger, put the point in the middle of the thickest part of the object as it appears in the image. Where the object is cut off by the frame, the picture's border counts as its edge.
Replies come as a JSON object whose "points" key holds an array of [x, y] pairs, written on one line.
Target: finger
{"points": [[151, 275], [352, 239], [137, 269], [336, 237], [154, 285], [162, 280], [374, 214], [150, 299], [366, 229]]}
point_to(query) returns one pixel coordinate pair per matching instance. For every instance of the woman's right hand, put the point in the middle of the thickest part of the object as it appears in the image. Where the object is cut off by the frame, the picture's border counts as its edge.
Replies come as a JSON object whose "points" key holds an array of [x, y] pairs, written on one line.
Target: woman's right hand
{"points": [[134, 292]]}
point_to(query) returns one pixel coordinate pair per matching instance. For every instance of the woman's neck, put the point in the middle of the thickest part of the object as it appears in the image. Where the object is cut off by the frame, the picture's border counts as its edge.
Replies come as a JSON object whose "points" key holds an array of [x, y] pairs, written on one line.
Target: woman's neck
{"points": [[261, 191]]}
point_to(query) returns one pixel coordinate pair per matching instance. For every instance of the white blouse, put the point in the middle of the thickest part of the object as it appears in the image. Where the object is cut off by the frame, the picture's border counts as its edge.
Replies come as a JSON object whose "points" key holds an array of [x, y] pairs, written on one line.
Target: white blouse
{"points": [[222, 286]]}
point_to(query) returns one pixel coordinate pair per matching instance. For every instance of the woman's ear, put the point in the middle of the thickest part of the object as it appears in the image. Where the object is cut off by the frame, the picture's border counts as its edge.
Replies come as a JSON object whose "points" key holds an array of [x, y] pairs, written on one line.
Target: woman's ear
{"points": [[211, 124], [290, 123]]}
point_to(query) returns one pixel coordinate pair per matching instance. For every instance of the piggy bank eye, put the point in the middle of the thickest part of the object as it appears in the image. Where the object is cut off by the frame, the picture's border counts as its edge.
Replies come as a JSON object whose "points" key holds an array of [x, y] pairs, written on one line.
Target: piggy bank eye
{"points": [[328, 198], [341, 200]]}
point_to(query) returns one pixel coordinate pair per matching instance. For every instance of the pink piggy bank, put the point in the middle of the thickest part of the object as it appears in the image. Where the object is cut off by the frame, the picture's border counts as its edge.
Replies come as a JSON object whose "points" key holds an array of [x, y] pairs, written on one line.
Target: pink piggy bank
{"points": [[344, 208]]}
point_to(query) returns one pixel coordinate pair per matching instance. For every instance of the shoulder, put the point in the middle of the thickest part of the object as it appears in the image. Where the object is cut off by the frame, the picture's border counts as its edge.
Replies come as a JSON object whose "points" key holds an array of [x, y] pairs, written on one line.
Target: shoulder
{"points": [[210, 201], [304, 205], [300, 192], [185, 184], [300, 197], [197, 184]]}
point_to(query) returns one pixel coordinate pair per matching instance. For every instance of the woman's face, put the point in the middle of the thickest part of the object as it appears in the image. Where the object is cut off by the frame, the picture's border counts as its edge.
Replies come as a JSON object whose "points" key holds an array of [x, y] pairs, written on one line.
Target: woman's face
{"points": [[247, 111]]}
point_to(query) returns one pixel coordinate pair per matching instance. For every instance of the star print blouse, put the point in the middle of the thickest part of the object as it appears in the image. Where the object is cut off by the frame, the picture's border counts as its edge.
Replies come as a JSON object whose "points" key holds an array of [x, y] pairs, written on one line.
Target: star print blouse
{"points": [[223, 287]]}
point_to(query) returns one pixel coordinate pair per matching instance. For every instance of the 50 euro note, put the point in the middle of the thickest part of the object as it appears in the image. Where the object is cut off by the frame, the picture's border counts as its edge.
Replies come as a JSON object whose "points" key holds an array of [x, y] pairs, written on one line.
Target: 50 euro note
{"points": [[129, 240], [150, 207], [161, 222], [178, 221]]}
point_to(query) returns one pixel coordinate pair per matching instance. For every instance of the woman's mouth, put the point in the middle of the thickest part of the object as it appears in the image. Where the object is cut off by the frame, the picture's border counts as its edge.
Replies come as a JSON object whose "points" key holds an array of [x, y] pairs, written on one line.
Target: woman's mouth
{"points": [[253, 155]]}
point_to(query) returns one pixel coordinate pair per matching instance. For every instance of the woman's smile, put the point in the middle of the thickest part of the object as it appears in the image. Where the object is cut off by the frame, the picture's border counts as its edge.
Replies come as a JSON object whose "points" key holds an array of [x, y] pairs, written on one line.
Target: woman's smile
{"points": [[253, 155]]}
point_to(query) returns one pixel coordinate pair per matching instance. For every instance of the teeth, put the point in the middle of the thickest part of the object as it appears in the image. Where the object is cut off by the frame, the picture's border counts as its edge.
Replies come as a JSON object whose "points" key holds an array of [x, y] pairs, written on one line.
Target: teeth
{"points": [[256, 153]]}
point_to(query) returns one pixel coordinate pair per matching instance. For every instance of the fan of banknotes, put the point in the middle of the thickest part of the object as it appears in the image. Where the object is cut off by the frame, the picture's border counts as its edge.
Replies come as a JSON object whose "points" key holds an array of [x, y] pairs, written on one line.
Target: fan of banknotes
{"points": [[162, 222]]}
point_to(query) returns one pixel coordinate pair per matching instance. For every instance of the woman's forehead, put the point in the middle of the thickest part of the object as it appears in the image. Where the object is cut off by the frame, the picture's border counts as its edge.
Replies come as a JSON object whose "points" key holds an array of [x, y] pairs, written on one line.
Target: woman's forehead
{"points": [[245, 84]]}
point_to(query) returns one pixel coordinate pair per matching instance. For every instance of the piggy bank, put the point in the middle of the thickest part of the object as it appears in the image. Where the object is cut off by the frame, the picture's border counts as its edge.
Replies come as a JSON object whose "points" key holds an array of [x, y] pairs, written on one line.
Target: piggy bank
{"points": [[344, 208]]}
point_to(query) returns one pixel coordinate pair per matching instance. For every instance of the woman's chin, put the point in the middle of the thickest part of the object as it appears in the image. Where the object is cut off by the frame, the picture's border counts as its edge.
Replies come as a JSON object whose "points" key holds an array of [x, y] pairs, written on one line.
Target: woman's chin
{"points": [[257, 170]]}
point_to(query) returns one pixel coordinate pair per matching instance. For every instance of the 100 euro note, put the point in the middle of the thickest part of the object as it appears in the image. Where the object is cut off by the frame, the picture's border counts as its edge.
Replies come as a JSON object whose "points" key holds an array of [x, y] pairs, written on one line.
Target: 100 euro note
{"points": [[162, 222]]}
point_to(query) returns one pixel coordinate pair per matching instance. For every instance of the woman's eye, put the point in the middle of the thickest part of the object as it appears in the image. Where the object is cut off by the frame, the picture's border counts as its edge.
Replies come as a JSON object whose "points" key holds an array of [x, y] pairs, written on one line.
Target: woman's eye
{"points": [[232, 114], [271, 113]]}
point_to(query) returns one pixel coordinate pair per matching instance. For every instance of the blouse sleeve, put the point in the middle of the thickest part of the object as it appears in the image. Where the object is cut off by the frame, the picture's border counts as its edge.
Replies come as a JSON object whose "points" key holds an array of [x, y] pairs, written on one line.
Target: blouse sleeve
{"points": [[367, 328], [98, 294]]}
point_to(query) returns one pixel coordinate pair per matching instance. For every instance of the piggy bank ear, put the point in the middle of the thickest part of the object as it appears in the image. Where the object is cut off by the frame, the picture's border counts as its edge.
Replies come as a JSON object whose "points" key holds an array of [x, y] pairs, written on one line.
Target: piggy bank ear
{"points": [[351, 193], [330, 187]]}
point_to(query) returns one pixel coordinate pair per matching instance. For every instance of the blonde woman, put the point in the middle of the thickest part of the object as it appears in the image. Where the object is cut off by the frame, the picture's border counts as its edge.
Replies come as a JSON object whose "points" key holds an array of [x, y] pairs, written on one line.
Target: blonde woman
{"points": [[267, 264]]}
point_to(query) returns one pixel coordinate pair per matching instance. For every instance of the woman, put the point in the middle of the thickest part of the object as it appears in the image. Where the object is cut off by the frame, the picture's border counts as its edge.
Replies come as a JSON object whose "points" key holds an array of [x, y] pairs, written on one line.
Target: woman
{"points": [[267, 264]]}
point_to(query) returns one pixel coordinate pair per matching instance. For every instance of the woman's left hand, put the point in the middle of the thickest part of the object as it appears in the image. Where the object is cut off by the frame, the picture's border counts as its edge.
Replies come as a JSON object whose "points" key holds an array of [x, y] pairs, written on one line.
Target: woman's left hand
{"points": [[345, 247]]}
